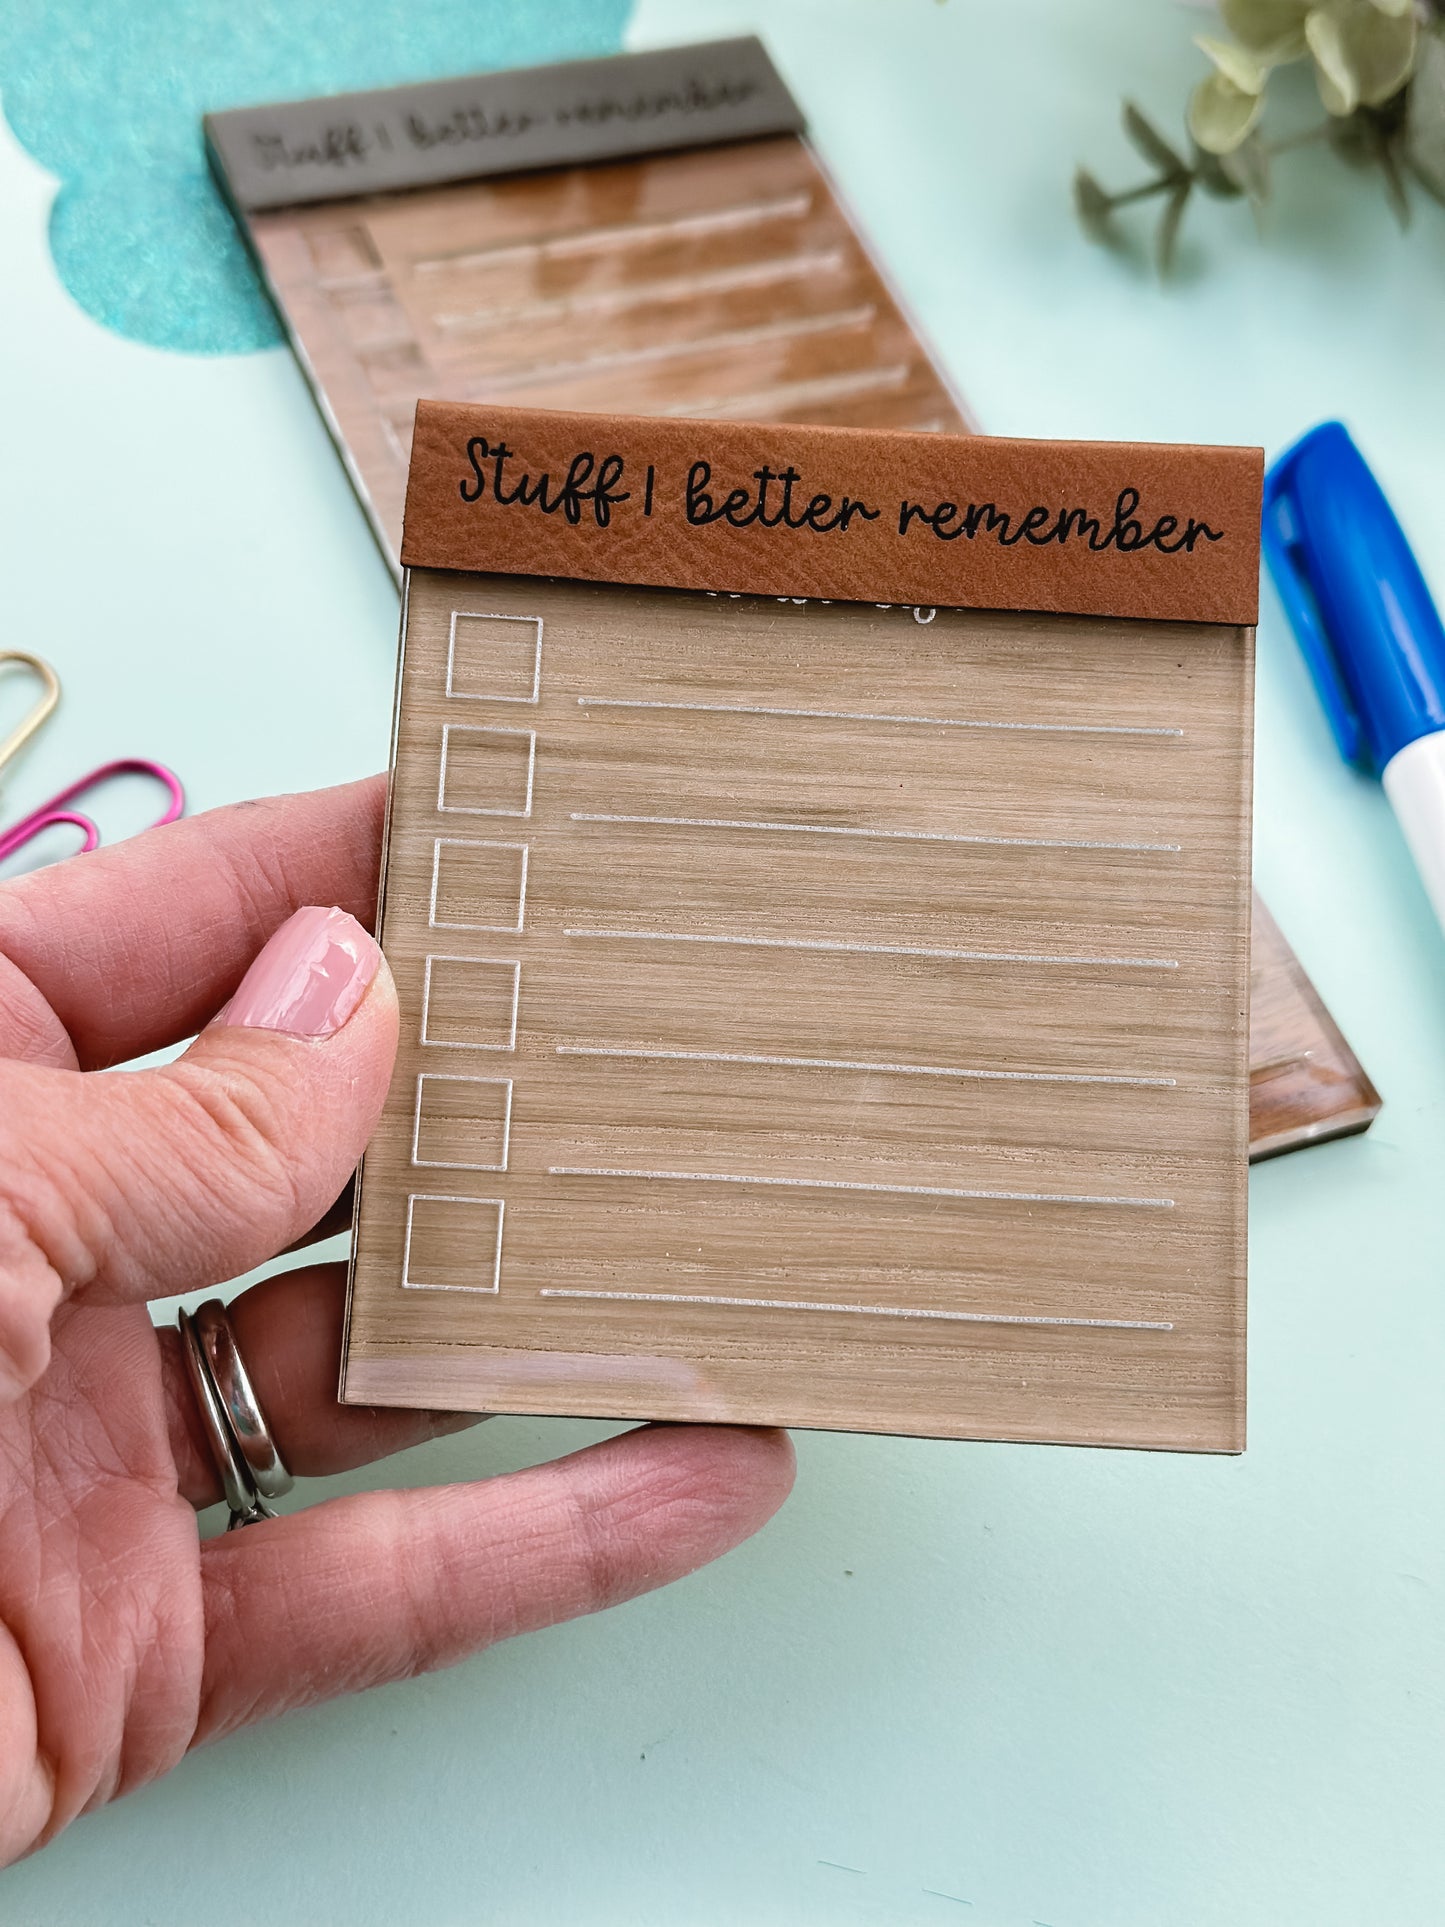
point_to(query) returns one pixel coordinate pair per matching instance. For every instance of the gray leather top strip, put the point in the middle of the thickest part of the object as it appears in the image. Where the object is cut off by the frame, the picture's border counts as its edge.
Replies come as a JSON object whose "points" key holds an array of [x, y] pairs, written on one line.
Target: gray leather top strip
{"points": [[498, 123]]}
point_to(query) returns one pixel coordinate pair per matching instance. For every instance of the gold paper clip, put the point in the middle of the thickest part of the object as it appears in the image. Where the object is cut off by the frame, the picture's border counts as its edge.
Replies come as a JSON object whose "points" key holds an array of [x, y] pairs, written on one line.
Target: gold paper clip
{"points": [[12, 744]]}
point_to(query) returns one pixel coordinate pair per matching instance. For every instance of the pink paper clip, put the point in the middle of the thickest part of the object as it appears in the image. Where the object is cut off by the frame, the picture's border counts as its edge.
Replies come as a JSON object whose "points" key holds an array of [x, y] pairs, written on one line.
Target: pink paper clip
{"points": [[54, 811]]}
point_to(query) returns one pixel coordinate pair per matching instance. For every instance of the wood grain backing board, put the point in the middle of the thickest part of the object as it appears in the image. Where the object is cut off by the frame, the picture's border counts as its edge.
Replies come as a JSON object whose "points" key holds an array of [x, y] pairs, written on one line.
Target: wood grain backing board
{"points": [[880, 1067], [721, 281]]}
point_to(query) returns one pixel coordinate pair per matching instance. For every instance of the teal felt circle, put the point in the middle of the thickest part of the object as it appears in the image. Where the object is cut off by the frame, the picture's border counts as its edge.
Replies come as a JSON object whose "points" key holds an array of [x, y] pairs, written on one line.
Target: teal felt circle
{"points": [[108, 95], [153, 254]]}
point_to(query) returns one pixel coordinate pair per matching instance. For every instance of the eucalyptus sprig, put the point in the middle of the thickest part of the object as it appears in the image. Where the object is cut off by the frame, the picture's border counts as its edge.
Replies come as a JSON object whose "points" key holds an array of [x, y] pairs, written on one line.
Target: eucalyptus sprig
{"points": [[1379, 67]]}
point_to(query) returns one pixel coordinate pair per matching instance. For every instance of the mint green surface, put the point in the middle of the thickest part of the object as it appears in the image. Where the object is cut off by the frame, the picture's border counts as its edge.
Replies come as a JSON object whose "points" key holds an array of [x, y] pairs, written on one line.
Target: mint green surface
{"points": [[950, 1684]]}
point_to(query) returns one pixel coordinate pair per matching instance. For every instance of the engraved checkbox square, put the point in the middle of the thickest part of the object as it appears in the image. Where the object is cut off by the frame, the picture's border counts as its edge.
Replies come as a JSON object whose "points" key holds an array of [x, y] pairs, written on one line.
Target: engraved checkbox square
{"points": [[470, 1003], [461, 1123], [494, 658], [478, 885], [453, 1244], [486, 772]]}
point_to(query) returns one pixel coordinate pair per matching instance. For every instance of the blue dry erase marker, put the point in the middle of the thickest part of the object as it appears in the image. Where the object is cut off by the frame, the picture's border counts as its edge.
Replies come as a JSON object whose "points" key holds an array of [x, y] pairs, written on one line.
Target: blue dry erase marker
{"points": [[1367, 627]]}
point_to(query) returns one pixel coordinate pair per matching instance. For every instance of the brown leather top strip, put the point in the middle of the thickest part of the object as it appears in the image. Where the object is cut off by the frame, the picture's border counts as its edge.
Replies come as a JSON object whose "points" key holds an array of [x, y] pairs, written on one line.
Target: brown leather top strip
{"points": [[1090, 528]]}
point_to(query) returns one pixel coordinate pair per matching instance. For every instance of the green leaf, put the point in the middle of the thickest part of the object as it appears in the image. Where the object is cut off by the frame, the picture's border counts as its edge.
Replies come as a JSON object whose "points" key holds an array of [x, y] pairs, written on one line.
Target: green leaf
{"points": [[1380, 49], [1393, 177], [1273, 29], [1350, 140], [1093, 206], [1166, 240], [1425, 119], [1247, 167], [1238, 67], [1334, 76], [1150, 143], [1221, 115], [1209, 173]]}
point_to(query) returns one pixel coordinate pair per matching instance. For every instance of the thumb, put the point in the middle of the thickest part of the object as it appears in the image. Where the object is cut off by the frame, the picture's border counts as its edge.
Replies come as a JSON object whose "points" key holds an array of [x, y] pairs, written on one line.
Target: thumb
{"points": [[123, 1186]]}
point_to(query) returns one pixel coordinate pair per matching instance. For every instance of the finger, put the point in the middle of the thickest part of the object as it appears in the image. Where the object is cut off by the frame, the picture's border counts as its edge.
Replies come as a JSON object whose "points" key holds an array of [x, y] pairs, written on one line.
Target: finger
{"points": [[379, 1587], [29, 1028], [288, 1330], [335, 1219], [83, 935], [157, 1182]]}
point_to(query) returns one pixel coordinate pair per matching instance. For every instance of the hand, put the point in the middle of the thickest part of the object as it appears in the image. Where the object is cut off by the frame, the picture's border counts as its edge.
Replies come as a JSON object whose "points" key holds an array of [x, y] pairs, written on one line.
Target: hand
{"points": [[125, 1640]]}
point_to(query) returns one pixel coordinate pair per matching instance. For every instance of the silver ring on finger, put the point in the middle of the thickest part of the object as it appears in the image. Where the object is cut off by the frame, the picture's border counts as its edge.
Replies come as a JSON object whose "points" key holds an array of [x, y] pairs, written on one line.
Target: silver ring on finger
{"points": [[251, 1469]]}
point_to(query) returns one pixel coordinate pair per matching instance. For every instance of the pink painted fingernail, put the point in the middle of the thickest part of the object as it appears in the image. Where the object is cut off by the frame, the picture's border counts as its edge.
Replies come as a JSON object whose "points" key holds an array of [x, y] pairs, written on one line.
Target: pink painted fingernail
{"points": [[309, 978]]}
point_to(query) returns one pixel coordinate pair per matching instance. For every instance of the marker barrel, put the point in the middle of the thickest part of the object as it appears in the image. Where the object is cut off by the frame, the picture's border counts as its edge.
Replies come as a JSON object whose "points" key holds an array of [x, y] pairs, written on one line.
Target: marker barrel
{"points": [[1414, 780]]}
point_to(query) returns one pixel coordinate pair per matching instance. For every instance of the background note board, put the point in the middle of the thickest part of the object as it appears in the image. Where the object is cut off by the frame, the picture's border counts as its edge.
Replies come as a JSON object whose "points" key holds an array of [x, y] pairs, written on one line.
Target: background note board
{"points": [[823, 1009], [1306, 1085], [646, 233], [719, 275]]}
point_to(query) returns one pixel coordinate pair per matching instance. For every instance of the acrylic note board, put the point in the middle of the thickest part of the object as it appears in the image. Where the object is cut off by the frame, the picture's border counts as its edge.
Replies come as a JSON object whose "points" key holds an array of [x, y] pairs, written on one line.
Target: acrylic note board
{"points": [[817, 1012], [653, 233], [647, 233]]}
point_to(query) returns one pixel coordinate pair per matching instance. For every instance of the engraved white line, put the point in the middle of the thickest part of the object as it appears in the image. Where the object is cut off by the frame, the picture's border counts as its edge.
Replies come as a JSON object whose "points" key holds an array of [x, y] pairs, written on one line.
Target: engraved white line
{"points": [[867, 716], [600, 240], [364, 281], [452, 1164], [862, 1064], [481, 695], [856, 1184], [613, 301], [379, 349], [875, 949], [795, 394], [848, 829], [796, 328], [868, 1311]]}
